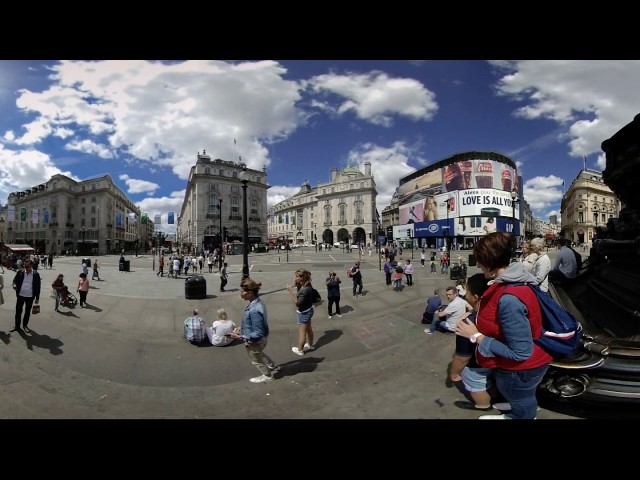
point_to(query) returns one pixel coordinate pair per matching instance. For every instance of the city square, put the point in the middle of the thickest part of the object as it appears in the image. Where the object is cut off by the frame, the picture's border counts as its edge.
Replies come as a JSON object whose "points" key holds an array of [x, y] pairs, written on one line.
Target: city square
{"points": [[125, 357]]}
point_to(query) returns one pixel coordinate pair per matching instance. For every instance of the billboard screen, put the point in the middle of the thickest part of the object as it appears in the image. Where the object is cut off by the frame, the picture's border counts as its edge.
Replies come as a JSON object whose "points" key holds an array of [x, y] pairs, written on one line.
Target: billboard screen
{"points": [[462, 175], [412, 212], [486, 202]]}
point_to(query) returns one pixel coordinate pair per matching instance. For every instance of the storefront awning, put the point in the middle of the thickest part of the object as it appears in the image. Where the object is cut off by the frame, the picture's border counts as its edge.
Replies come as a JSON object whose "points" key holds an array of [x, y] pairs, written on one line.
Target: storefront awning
{"points": [[19, 247]]}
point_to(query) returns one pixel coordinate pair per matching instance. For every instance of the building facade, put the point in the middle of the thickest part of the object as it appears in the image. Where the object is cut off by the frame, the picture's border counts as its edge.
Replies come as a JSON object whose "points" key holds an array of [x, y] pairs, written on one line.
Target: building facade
{"points": [[92, 217], [341, 210], [457, 200], [211, 212], [587, 205]]}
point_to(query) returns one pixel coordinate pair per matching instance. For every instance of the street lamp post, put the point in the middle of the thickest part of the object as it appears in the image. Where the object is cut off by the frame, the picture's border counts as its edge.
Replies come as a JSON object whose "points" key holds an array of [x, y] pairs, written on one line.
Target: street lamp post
{"points": [[83, 240], [221, 237], [446, 240], [514, 200], [244, 178]]}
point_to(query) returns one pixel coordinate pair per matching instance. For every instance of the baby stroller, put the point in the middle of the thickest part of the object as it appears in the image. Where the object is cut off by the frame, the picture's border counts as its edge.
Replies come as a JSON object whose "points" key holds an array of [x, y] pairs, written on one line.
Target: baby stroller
{"points": [[68, 299]]}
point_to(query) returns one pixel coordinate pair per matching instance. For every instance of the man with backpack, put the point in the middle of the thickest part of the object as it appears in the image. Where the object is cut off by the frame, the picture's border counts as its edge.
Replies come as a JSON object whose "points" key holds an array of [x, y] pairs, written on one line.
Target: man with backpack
{"points": [[566, 265], [356, 276]]}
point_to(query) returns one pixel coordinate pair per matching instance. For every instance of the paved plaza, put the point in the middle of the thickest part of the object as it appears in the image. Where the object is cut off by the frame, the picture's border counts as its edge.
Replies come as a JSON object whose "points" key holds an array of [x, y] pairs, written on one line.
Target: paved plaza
{"points": [[124, 357]]}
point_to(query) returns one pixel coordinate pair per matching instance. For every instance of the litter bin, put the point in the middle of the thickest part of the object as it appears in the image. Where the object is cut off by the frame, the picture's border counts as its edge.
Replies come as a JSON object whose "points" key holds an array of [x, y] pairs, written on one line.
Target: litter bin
{"points": [[127, 265], [195, 286], [457, 272]]}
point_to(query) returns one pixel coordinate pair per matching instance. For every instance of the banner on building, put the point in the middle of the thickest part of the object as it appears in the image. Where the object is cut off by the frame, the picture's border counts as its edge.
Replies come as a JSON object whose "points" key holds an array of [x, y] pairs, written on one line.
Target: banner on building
{"points": [[119, 219], [35, 218], [157, 219], [23, 214], [132, 218], [171, 218], [46, 217], [11, 213], [145, 218]]}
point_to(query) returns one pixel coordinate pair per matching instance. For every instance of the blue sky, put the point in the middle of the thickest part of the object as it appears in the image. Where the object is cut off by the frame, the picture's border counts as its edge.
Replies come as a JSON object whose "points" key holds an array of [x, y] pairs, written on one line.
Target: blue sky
{"points": [[143, 122]]}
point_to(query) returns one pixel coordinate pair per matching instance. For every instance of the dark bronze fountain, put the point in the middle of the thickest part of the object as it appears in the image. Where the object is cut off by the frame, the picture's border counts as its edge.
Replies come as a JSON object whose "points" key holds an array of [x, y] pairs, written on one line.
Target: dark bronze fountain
{"points": [[605, 296]]}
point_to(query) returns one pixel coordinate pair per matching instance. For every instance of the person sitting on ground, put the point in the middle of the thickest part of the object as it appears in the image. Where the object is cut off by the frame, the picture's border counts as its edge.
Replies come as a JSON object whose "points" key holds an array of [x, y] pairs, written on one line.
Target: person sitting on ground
{"points": [[194, 328], [452, 313], [218, 332], [434, 302]]}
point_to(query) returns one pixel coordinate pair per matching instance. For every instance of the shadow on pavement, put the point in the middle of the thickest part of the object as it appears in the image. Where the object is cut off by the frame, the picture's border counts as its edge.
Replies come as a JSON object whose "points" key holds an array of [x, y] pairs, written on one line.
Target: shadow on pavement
{"points": [[42, 341], [304, 365], [327, 337]]}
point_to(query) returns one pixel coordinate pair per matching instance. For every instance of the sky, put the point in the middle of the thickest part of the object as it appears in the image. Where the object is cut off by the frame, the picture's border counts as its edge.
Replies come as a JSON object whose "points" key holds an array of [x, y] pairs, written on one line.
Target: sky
{"points": [[144, 122]]}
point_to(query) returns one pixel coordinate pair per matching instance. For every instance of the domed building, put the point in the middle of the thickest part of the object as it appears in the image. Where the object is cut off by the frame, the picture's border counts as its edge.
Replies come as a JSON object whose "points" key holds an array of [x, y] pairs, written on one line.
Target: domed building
{"points": [[341, 210]]}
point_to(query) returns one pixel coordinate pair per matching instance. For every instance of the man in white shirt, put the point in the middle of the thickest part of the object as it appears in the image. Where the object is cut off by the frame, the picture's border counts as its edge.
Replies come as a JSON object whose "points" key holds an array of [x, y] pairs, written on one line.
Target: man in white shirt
{"points": [[453, 313]]}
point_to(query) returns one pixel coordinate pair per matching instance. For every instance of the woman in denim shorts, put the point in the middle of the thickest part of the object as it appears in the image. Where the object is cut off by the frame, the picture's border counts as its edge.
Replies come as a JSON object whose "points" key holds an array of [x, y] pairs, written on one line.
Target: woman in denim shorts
{"points": [[302, 298]]}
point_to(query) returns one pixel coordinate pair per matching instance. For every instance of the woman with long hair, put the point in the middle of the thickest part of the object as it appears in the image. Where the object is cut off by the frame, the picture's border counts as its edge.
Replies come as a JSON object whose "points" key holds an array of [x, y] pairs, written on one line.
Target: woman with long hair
{"points": [[303, 300]]}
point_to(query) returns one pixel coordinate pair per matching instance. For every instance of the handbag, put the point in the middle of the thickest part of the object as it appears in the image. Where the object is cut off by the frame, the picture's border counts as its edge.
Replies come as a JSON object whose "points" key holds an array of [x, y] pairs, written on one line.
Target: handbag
{"points": [[35, 309]]}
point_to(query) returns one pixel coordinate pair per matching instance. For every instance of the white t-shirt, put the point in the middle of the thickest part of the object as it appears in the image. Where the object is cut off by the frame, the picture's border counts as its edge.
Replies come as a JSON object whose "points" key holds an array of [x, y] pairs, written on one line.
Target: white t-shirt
{"points": [[217, 331], [455, 311]]}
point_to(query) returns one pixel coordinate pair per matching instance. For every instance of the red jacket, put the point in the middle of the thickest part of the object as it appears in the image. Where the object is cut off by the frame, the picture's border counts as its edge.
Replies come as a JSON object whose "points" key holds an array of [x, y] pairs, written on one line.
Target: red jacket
{"points": [[488, 324]]}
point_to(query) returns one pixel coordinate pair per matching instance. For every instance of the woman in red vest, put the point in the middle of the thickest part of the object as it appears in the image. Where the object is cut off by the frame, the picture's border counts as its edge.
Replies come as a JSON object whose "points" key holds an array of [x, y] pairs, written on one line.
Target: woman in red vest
{"points": [[506, 325]]}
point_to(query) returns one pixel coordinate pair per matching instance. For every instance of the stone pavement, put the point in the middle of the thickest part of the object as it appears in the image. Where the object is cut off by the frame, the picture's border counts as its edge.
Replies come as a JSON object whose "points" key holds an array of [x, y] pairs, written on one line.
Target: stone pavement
{"points": [[124, 357]]}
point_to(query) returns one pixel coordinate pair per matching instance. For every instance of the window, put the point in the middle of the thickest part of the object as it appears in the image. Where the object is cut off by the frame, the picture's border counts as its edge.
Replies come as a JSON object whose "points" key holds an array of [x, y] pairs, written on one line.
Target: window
{"points": [[221, 172], [207, 170], [93, 222], [595, 218], [342, 213], [93, 209], [581, 217], [327, 214], [235, 175], [93, 199], [82, 210], [83, 200], [93, 187], [604, 218], [235, 189]]}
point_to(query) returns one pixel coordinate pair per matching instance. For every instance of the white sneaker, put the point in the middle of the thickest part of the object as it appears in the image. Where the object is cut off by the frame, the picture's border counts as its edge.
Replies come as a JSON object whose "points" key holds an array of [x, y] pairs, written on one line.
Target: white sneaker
{"points": [[427, 331], [261, 379], [307, 347], [339, 316], [494, 417], [329, 317], [297, 351], [502, 406]]}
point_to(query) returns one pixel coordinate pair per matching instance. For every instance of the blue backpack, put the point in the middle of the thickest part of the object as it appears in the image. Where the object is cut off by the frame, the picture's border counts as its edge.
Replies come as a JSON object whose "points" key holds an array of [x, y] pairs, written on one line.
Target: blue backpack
{"points": [[561, 332]]}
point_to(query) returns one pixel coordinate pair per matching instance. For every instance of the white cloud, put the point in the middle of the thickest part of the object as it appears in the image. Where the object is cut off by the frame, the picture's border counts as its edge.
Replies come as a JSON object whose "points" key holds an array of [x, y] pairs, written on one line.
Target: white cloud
{"points": [[158, 112], [138, 186], [376, 97]]}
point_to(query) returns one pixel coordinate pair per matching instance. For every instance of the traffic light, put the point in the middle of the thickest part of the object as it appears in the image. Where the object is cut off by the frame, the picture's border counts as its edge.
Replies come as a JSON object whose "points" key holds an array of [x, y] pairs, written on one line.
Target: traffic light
{"points": [[224, 233]]}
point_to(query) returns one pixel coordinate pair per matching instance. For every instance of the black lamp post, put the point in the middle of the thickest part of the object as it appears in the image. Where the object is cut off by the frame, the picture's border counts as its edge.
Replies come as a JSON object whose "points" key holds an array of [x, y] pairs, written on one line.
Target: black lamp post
{"points": [[244, 178], [514, 200], [446, 240], [83, 240], [221, 236]]}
